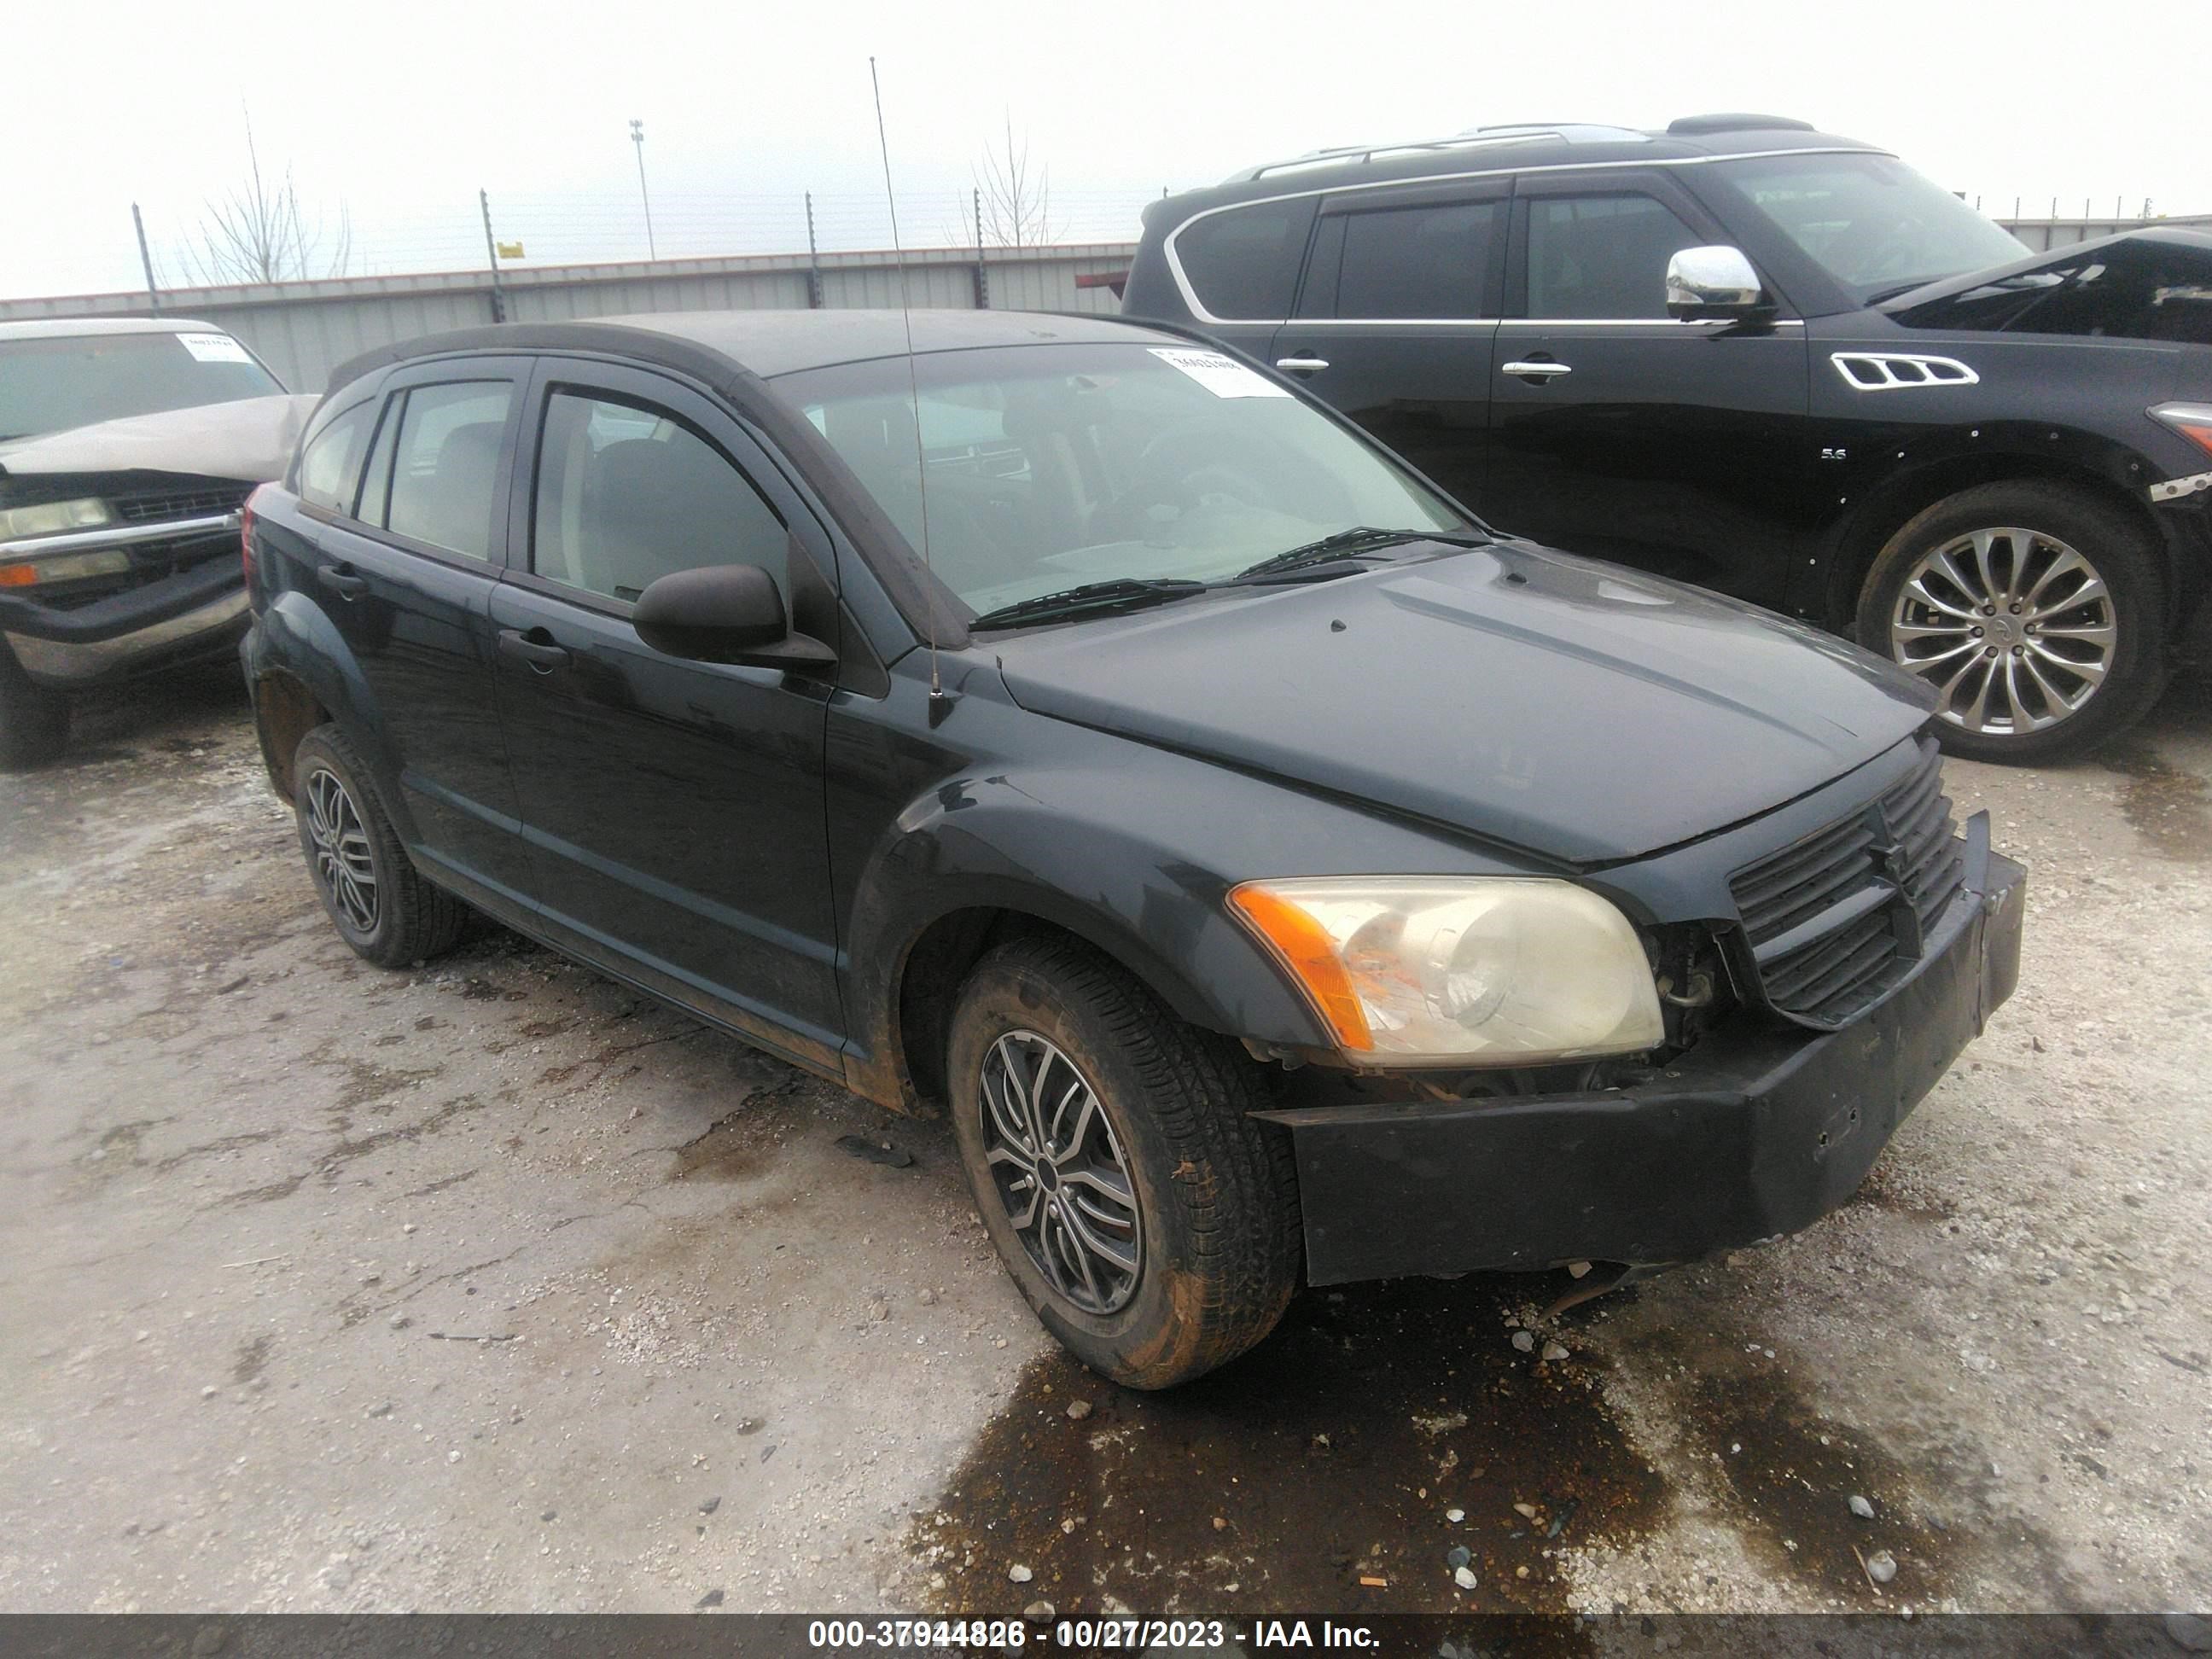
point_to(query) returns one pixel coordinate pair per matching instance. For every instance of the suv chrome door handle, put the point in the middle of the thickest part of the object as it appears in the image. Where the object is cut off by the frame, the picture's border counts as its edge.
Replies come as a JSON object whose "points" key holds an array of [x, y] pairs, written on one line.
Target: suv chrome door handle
{"points": [[1301, 365], [543, 655], [342, 581], [1537, 371]]}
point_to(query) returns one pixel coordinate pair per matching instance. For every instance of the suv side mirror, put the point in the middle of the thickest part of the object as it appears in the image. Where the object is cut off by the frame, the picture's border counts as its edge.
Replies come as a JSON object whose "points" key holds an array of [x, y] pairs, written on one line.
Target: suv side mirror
{"points": [[726, 613], [1714, 282]]}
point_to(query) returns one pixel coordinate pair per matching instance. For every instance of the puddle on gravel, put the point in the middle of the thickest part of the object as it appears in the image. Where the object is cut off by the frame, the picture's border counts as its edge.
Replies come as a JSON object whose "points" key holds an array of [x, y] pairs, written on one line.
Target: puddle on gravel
{"points": [[1330, 1455], [1793, 1479], [2169, 808]]}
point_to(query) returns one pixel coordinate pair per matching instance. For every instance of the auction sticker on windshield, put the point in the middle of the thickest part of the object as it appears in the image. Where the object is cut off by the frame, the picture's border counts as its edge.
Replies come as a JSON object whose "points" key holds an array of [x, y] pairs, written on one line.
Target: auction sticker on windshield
{"points": [[1223, 376], [214, 348]]}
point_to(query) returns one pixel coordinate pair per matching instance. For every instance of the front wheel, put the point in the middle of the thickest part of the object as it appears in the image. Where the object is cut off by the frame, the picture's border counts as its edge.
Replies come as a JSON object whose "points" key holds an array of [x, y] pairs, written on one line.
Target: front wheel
{"points": [[2035, 614], [1150, 1222]]}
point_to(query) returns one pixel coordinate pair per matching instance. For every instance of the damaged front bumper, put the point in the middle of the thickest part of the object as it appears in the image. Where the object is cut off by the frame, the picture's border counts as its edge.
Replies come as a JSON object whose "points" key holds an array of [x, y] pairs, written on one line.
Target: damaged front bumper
{"points": [[1755, 1132], [198, 611]]}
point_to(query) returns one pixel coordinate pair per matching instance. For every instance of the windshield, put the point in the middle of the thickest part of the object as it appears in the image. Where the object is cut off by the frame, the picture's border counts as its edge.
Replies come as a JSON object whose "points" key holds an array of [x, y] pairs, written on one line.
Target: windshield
{"points": [[52, 384], [1872, 222], [1053, 466]]}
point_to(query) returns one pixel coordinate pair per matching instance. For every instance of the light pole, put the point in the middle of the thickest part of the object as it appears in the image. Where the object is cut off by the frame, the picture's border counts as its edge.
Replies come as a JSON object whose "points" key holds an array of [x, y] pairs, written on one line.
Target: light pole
{"points": [[637, 137]]}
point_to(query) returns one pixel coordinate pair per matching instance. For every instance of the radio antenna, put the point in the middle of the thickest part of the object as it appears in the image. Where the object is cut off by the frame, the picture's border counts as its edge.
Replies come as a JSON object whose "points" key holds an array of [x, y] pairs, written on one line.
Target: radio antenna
{"points": [[914, 388]]}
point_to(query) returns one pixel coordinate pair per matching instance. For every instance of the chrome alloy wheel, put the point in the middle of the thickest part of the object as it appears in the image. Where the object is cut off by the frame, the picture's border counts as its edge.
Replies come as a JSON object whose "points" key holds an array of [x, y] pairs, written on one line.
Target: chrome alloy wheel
{"points": [[2014, 629], [343, 867], [1057, 1166]]}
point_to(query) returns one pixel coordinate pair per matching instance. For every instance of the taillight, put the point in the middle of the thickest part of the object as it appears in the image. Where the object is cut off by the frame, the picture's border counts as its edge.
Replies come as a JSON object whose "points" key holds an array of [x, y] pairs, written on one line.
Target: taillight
{"points": [[246, 536]]}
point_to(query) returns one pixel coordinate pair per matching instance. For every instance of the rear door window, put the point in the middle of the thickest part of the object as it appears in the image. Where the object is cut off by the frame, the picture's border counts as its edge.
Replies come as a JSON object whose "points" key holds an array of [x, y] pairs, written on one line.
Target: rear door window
{"points": [[1417, 262], [1602, 256], [627, 494], [445, 475], [1243, 264]]}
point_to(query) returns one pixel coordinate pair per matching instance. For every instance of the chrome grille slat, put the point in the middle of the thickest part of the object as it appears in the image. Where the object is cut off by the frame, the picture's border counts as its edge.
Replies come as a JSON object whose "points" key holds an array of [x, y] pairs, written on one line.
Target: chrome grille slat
{"points": [[1902, 847]]}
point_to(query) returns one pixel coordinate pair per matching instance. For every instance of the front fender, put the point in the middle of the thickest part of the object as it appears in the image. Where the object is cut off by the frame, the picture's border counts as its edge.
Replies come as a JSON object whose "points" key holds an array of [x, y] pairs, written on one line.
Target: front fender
{"points": [[1100, 855]]}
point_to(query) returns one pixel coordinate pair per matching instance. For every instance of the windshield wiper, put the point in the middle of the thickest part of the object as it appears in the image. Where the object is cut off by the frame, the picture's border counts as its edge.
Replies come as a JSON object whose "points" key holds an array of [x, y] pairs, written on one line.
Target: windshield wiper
{"points": [[1882, 296], [1360, 538], [1121, 593]]}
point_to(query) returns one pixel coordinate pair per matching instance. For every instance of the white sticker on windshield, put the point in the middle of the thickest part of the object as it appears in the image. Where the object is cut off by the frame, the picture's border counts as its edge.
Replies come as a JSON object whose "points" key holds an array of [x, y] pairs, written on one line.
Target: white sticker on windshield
{"points": [[214, 348], [1224, 376]]}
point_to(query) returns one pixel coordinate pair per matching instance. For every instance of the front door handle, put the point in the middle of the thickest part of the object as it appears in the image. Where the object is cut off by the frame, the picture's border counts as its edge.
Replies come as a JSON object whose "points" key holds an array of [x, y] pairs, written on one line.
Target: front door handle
{"points": [[540, 652], [342, 581], [1538, 371], [1302, 365]]}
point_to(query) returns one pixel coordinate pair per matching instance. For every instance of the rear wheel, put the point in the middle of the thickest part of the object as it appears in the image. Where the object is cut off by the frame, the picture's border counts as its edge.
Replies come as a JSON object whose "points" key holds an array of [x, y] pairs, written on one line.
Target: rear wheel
{"points": [[2035, 614], [370, 888], [1150, 1221], [33, 720]]}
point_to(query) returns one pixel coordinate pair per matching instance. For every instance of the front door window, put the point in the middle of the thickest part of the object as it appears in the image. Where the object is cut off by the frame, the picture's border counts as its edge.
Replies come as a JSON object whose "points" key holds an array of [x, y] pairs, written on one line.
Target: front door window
{"points": [[627, 495]]}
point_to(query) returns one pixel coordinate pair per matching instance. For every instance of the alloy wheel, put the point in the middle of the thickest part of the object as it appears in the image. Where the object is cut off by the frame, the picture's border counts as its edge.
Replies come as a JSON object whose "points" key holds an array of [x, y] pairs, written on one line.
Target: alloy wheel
{"points": [[2015, 628], [343, 867], [1057, 1166]]}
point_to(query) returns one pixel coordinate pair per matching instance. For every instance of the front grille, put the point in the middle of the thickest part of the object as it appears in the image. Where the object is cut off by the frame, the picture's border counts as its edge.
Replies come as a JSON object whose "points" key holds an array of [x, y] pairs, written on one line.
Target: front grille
{"points": [[1836, 919], [154, 507]]}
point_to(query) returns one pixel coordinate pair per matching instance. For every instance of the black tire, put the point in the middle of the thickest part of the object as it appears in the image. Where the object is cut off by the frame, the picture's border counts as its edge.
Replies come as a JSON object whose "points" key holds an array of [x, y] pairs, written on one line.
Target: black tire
{"points": [[33, 720], [1216, 1192], [408, 919], [2120, 553]]}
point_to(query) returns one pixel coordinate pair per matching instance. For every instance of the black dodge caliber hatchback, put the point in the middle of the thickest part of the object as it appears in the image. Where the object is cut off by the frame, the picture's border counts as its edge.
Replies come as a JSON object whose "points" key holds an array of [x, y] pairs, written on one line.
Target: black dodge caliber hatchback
{"points": [[1273, 873]]}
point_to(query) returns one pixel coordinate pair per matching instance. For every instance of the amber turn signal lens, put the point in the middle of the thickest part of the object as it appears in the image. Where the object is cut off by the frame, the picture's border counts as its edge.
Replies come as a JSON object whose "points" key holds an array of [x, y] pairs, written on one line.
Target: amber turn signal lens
{"points": [[1306, 950], [18, 575]]}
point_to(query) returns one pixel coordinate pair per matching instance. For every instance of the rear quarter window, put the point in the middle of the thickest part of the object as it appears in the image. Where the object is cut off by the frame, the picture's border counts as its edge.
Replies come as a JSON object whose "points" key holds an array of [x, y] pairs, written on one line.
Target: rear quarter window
{"points": [[1242, 263], [330, 465]]}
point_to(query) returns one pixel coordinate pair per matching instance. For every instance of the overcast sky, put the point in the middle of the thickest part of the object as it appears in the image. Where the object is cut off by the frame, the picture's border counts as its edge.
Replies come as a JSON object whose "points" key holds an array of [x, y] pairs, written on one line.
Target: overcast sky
{"points": [[399, 111]]}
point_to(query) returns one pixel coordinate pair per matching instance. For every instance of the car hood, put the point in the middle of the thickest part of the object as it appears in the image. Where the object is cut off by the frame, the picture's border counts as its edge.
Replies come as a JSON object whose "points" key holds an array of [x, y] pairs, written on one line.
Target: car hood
{"points": [[251, 439], [2148, 285], [1570, 709]]}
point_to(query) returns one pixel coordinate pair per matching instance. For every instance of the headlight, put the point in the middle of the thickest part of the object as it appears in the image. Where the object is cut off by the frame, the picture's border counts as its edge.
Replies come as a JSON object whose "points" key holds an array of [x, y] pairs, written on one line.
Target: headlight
{"points": [[2191, 421], [53, 518], [1481, 970]]}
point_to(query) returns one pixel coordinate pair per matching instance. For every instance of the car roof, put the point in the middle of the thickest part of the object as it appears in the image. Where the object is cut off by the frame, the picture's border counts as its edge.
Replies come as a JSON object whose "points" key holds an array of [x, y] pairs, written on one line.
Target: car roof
{"points": [[1515, 148], [766, 344], [772, 343], [58, 328]]}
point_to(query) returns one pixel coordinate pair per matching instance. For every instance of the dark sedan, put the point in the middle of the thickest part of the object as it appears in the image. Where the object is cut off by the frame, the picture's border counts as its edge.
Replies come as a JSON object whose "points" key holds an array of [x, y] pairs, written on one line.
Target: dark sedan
{"points": [[1277, 875]]}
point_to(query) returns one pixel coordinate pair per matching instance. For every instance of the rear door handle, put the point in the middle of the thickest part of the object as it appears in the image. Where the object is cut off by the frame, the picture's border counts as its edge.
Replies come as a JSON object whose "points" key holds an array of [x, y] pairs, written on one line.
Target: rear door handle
{"points": [[1302, 365], [541, 653], [1539, 371], [342, 581]]}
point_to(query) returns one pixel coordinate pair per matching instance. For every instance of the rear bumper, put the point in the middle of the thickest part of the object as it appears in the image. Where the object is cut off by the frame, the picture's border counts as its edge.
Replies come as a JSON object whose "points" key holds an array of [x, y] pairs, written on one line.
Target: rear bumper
{"points": [[199, 612], [1755, 1132]]}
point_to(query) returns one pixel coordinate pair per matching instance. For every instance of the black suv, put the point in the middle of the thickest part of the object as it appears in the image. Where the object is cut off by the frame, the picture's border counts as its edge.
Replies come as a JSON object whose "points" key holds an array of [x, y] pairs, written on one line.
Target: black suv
{"points": [[1066, 725], [1767, 360]]}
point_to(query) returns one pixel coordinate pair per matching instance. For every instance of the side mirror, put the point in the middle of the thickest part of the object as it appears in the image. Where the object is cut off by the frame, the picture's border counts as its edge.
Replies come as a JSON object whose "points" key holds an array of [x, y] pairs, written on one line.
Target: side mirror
{"points": [[726, 613], [1706, 283]]}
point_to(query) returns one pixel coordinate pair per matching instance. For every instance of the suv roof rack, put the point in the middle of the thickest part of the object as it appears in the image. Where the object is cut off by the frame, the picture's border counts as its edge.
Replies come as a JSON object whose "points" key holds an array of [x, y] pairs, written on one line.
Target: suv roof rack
{"points": [[1691, 125], [1570, 132]]}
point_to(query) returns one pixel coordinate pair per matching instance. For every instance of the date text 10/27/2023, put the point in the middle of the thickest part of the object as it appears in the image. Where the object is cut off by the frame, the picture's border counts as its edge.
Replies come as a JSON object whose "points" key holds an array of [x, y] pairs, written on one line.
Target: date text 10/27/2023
{"points": [[1129, 1634]]}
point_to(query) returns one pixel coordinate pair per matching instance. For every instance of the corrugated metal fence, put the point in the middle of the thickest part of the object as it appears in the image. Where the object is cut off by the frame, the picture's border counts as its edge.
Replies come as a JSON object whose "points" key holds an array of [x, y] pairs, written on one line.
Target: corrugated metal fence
{"points": [[2041, 234], [304, 330]]}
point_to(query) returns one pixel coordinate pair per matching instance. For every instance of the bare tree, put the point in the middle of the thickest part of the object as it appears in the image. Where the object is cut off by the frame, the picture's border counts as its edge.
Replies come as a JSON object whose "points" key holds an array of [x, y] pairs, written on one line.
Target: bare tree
{"points": [[259, 233], [1015, 208]]}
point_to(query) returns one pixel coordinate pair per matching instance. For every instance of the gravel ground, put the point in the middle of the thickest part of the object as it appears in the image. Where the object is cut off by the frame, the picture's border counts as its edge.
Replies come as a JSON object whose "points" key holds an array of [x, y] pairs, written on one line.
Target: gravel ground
{"points": [[490, 1285]]}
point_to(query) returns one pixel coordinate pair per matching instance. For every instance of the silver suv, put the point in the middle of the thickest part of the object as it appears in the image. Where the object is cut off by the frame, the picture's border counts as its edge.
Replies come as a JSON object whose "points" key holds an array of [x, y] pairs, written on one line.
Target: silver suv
{"points": [[128, 446]]}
